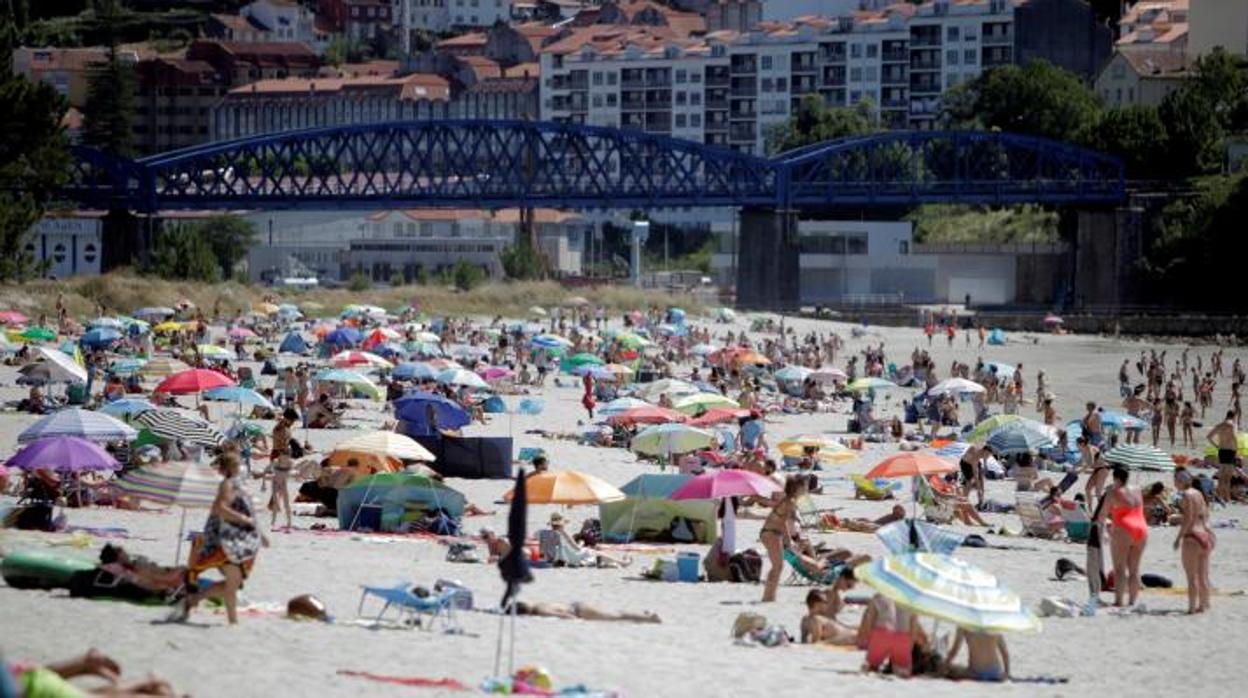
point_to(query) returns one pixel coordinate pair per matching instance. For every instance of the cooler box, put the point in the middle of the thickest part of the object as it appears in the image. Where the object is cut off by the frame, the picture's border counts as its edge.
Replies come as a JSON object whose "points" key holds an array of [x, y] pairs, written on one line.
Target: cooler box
{"points": [[688, 567]]}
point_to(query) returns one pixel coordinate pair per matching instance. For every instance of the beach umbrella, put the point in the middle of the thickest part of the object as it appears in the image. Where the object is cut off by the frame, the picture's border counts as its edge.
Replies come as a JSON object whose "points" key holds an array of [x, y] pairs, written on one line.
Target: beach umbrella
{"points": [[192, 382], [948, 589], [621, 404], [1002, 370], [701, 402], [796, 374], [911, 464], [576, 301], [168, 326], [491, 374], [870, 383], [985, 428], [719, 415], [426, 336], [912, 535], [267, 308], [344, 336], [669, 386], [702, 350], [537, 310], [241, 333], [12, 317], [99, 337], [415, 407], [1115, 420], [183, 485], [955, 386], [1052, 319], [386, 443], [293, 343], [718, 484], [1139, 457], [213, 352], [163, 366], [424, 349], [582, 359], [567, 487], [180, 425], [669, 439], [126, 407], [550, 341], [359, 358], [127, 366], [240, 395], [75, 421], [56, 367], [647, 414], [827, 374], [63, 454], [726, 314], [953, 450], [444, 364], [414, 371], [155, 312], [111, 323], [353, 379], [1020, 437], [827, 449], [464, 377], [37, 334]]}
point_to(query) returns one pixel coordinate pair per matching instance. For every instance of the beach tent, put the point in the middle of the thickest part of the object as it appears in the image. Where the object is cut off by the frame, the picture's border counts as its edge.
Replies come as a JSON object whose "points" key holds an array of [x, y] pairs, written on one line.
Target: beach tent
{"points": [[293, 343], [647, 512], [413, 410], [996, 337], [400, 496]]}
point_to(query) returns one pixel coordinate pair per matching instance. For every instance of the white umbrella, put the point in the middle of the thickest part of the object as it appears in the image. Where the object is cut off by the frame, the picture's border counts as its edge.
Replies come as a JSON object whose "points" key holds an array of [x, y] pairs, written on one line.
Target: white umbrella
{"points": [[957, 386]]}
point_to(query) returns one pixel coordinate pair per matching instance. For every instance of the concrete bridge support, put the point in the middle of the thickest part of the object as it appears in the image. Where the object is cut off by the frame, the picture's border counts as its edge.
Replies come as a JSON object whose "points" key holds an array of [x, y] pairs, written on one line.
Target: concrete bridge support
{"points": [[1108, 244], [768, 274]]}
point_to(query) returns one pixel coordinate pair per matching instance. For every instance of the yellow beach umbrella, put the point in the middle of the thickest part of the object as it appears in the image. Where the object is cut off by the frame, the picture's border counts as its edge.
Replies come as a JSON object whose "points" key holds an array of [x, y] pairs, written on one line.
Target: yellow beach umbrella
{"points": [[386, 443], [568, 487], [827, 449]]}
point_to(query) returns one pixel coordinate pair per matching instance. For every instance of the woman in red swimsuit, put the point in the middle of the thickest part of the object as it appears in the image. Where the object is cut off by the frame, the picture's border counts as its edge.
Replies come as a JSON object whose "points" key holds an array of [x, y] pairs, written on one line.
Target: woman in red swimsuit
{"points": [[1124, 506], [1195, 541]]}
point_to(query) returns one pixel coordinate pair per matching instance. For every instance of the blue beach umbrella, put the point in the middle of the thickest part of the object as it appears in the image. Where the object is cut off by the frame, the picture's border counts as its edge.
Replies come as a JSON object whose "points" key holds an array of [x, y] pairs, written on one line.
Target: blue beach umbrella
{"points": [[99, 337], [127, 407], [238, 394]]}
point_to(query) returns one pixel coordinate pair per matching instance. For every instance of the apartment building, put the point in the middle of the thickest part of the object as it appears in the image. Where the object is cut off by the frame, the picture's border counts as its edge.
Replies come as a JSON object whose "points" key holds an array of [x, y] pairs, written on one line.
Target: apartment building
{"points": [[443, 15], [271, 20], [731, 88], [173, 102], [67, 70]]}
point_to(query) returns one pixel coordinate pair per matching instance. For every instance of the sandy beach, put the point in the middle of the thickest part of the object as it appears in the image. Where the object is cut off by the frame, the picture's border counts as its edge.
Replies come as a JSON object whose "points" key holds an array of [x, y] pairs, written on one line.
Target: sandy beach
{"points": [[691, 652]]}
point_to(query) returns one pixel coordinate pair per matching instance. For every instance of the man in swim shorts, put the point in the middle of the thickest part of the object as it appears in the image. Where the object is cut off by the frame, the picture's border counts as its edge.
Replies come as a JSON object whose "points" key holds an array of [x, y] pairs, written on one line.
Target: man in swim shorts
{"points": [[1226, 441]]}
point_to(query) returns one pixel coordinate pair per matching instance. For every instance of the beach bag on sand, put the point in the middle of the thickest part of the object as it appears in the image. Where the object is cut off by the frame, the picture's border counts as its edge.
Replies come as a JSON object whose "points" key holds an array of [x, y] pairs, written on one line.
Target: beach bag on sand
{"points": [[746, 566]]}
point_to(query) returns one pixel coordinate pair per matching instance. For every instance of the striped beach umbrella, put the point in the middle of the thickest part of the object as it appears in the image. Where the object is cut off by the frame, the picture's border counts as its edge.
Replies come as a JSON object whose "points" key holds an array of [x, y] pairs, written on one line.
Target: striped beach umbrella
{"points": [[911, 535], [162, 366], [180, 425], [172, 484], [949, 589], [1139, 457], [92, 426], [985, 428], [1020, 437]]}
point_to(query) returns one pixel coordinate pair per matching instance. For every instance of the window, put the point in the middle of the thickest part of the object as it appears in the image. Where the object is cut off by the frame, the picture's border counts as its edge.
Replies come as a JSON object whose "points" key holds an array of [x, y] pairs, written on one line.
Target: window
{"points": [[903, 247], [681, 76], [855, 75], [766, 87], [855, 97], [611, 77], [1119, 98], [869, 74], [695, 120], [611, 99], [873, 50], [766, 60], [597, 77], [855, 50], [695, 98], [970, 56], [782, 84], [695, 77], [680, 121], [951, 34], [680, 98], [597, 101], [951, 80], [951, 57], [1130, 94], [856, 243]]}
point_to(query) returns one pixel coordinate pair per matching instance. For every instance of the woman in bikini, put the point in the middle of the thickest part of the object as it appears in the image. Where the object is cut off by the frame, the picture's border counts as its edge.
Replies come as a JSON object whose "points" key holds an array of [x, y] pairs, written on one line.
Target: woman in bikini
{"points": [[777, 531], [281, 464], [1195, 541], [1124, 505]]}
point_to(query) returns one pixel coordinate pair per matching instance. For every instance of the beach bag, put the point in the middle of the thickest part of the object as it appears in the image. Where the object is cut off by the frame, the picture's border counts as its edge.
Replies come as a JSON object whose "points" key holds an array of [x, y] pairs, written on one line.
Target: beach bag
{"points": [[462, 552], [591, 533], [682, 530], [746, 566]]}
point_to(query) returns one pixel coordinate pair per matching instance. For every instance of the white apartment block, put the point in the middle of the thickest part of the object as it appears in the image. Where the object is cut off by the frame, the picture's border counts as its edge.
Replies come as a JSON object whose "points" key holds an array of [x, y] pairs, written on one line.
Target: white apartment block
{"points": [[730, 89], [443, 15], [287, 20]]}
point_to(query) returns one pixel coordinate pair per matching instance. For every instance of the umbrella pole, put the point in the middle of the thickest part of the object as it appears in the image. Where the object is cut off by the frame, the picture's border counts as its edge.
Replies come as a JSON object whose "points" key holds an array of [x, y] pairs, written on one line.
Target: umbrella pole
{"points": [[498, 647], [177, 555], [511, 656]]}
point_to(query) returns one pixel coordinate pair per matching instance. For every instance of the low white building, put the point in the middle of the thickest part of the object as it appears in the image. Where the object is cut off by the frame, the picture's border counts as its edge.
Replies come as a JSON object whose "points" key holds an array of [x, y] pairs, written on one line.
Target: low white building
{"points": [[440, 16], [71, 243]]}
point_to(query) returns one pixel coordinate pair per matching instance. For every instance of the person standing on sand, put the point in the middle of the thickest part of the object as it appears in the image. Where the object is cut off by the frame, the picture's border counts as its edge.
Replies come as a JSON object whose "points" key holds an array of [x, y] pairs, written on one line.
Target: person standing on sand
{"points": [[280, 462], [1136, 407], [1091, 462], [1124, 506], [778, 530], [1195, 540], [1091, 424], [1224, 438]]}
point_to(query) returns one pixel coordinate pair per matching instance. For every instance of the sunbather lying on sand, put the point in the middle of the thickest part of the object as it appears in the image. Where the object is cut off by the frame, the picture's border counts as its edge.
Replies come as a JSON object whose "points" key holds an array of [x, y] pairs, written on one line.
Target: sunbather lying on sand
{"points": [[583, 612], [861, 525], [52, 679]]}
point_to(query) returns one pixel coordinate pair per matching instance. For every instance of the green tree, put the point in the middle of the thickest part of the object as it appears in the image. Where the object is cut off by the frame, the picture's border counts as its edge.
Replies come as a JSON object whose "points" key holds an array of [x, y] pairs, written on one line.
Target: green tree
{"points": [[522, 262], [109, 109], [359, 282], [1193, 133], [1197, 259], [34, 161], [182, 252], [815, 122], [230, 238], [1036, 98], [467, 276], [1138, 135]]}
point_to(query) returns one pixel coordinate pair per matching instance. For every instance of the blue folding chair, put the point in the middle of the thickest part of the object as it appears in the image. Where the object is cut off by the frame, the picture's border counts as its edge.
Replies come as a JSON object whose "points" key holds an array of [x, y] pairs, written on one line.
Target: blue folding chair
{"points": [[413, 606]]}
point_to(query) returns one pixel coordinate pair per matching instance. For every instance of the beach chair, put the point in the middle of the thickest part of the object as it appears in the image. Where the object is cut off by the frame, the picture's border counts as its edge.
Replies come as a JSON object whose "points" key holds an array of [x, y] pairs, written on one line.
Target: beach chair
{"points": [[937, 509], [554, 550], [1035, 522], [800, 575], [440, 606], [865, 488], [810, 515], [1078, 524]]}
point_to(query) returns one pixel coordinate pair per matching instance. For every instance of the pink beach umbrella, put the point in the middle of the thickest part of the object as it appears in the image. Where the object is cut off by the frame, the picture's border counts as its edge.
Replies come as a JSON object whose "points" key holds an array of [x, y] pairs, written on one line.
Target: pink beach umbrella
{"points": [[727, 483], [495, 373]]}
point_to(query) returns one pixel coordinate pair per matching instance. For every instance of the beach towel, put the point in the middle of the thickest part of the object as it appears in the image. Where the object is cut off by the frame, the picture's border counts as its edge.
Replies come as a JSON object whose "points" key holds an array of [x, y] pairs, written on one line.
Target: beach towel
{"points": [[419, 681]]}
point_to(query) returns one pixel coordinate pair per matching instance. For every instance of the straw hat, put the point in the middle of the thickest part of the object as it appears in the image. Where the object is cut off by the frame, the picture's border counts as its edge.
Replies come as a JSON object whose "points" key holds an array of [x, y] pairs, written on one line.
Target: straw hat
{"points": [[556, 519]]}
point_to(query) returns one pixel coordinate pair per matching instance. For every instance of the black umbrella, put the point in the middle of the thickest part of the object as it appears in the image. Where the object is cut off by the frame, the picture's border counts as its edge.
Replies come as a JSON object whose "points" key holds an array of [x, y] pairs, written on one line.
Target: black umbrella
{"points": [[514, 566]]}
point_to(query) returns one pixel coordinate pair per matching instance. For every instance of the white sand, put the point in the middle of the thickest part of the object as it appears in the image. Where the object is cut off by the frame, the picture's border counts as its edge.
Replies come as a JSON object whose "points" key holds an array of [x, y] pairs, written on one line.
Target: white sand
{"points": [[690, 653]]}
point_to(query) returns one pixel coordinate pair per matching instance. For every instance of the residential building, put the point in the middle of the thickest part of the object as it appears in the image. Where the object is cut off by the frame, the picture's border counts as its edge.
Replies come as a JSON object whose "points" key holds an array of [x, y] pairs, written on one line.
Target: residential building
{"points": [[732, 89], [1066, 33], [1217, 23], [72, 243], [497, 98], [1153, 25], [242, 63], [65, 69], [268, 106], [358, 19], [789, 10], [442, 15], [271, 20], [173, 102], [335, 245], [1141, 77], [642, 13], [733, 15]]}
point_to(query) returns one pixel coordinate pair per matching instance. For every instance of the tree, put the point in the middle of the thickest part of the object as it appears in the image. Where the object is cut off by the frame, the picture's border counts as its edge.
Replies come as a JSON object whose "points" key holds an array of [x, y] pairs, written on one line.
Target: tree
{"points": [[1037, 98], [109, 109], [467, 276], [815, 122], [182, 252], [522, 262], [230, 238], [34, 162], [359, 282], [1197, 259], [1193, 133], [1136, 134]]}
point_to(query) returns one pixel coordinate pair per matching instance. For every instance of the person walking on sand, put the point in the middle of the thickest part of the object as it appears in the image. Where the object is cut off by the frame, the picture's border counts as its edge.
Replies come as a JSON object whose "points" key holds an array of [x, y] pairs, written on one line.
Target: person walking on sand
{"points": [[1195, 541], [280, 462], [231, 542], [1224, 438], [1124, 506], [778, 530]]}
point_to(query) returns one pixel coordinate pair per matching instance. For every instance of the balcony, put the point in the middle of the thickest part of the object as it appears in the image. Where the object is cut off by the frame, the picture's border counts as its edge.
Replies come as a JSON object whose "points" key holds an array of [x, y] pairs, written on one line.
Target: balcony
{"points": [[895, 77], [717, 79], [565, 82], [925, 86], [633, 83], [744, 65], [744, 91], [920, 63], [742, 113], [716, 103], [832, 56], [925, 41], [804, 63], [717, 126], [801, 87], [834, 76], [659, 123], [895, 103], [998, 38], [896, 56], [633, 105], [741, 132]]}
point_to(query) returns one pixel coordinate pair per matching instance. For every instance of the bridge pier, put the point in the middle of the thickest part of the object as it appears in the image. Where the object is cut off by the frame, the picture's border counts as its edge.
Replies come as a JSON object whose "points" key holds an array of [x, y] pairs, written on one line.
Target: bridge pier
{"points": [[768, 274], [1107, 246]]}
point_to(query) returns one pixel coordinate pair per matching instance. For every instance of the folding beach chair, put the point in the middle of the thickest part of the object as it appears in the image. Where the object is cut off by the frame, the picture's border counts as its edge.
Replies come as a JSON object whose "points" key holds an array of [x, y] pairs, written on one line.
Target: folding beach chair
{"points": [[936, 508], [1036, 522], [810, 515], [1078, 524], [873, 490], [800, 574], [412, 606], [554, 550]]}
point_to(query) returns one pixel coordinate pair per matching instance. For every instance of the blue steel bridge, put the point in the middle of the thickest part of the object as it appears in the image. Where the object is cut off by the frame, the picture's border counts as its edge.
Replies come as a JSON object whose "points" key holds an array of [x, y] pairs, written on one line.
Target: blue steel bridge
{"points": [[503, 164]]}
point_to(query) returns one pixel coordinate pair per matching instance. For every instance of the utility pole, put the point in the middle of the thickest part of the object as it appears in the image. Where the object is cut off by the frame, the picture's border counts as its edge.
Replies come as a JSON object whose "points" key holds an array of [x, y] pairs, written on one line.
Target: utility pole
{"points": [[641, 231]]}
